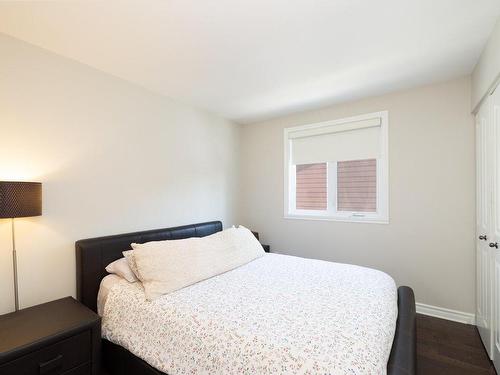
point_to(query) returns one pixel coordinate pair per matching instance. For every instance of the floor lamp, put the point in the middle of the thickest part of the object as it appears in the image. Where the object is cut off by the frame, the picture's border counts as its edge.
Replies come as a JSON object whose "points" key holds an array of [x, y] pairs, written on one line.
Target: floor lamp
{"points": [[19, 199]]}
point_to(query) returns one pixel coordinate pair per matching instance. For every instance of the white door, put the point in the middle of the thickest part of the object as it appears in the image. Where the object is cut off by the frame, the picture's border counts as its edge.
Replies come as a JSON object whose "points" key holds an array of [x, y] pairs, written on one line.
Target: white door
{"points": [[494, 241], [484, 305]]}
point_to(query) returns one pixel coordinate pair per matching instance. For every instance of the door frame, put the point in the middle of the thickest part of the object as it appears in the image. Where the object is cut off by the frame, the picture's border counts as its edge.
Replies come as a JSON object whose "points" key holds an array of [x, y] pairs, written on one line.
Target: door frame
{"points": [[484, 262]]}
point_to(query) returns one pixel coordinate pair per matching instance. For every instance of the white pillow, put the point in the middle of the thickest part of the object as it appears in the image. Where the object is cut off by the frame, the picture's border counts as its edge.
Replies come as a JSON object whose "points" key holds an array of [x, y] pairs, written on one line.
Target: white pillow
{"points": [[166, 266], [129, 256], [121, 268]]}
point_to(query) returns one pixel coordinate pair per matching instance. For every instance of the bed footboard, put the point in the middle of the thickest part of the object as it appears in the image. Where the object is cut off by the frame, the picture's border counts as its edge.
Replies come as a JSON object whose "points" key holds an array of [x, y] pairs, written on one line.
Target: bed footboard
{"points": [[403, 358]]}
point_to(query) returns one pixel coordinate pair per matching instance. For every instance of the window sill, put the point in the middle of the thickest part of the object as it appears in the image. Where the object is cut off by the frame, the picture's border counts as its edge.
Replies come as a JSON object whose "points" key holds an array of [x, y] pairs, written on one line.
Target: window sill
{"points": [[365, 220]]}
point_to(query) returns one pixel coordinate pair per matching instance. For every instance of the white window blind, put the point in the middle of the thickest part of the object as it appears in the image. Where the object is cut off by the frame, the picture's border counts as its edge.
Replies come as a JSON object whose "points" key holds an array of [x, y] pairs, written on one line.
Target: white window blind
{"points": [[350, 141]]}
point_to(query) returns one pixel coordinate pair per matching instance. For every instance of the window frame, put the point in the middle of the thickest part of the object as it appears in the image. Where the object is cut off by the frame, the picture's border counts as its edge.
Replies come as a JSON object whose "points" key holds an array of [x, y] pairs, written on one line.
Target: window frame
{"points": [[331, 214]]}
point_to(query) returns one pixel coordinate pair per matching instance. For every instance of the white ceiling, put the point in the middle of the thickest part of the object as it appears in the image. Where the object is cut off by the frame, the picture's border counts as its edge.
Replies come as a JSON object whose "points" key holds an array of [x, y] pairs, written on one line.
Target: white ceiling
{"points": [[250, 60]]}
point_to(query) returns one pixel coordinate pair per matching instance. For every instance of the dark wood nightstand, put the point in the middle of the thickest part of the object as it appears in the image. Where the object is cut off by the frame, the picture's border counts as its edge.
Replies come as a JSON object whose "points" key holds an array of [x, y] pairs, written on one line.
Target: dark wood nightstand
{"points": [[266, 248], [58, 337]]}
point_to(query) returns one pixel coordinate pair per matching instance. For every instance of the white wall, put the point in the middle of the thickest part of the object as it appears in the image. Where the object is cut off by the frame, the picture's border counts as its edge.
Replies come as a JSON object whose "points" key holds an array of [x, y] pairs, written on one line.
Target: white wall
{"points": [[429, 243], [113, 158], [487, 70]]}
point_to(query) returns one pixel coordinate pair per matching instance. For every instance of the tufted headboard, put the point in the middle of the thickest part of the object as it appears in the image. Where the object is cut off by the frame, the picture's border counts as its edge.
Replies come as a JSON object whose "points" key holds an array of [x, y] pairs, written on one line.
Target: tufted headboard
{"points": [[94, 254]]}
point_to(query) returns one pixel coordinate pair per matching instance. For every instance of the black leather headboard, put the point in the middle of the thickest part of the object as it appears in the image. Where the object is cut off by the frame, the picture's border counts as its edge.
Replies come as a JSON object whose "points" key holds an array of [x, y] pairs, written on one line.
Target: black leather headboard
{"points": [[94, 254]]}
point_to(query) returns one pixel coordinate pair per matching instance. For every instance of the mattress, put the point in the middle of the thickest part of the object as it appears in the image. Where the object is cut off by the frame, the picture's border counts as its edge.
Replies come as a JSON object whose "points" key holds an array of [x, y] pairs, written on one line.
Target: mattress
{"points": [[275, 315], [105, 287]]}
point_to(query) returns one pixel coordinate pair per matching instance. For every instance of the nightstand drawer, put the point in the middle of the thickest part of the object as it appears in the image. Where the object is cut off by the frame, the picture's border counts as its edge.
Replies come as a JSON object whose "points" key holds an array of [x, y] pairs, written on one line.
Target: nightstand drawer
{"points": [[54, 359], [80, 370]]}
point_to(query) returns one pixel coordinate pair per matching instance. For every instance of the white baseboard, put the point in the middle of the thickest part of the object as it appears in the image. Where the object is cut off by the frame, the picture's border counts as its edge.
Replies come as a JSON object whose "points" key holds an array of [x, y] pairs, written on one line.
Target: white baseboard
{"points": [[448, 314]]}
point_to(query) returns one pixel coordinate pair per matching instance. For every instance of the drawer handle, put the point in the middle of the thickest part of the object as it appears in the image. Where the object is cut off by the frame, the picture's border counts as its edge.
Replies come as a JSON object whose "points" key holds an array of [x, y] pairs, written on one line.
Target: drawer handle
{"points": [[47, 367]]}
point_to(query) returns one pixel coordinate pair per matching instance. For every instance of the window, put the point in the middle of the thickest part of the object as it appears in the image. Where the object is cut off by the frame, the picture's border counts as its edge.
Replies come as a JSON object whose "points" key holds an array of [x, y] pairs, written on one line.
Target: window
{"points": [[311, 186], [337, 170]]}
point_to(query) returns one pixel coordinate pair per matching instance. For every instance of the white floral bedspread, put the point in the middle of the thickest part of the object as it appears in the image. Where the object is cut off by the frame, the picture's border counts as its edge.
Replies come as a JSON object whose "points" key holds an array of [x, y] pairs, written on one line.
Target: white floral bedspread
{"points": [[275, 315]]}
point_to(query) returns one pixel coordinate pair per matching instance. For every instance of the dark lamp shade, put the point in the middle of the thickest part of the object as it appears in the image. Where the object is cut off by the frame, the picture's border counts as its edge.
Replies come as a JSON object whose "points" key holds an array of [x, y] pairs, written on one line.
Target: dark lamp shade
{"points": [[20, 199]]}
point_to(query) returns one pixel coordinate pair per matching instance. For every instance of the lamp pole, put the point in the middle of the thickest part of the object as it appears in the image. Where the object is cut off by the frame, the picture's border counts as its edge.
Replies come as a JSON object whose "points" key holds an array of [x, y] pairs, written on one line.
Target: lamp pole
{"points": [[14, 264]]}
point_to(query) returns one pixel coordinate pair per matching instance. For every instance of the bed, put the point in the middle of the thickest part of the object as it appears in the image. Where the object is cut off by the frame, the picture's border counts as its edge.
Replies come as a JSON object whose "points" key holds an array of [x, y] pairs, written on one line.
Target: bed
{"points": [[134, 357]]}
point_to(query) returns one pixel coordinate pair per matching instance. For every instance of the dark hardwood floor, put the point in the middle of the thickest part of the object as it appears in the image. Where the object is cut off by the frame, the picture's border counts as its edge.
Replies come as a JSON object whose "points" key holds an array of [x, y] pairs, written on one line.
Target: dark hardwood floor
{"points": [[445, 347]]}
